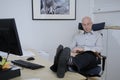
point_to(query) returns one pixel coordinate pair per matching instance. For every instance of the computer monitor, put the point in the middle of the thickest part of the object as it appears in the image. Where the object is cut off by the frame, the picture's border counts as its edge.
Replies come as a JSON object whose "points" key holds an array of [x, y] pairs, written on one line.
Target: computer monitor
{"points": [[9, 39]]}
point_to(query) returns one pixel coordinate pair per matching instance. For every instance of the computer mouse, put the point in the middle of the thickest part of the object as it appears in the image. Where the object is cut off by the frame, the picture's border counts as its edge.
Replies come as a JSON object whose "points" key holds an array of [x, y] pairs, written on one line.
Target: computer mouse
{"points": [[30, 58]]}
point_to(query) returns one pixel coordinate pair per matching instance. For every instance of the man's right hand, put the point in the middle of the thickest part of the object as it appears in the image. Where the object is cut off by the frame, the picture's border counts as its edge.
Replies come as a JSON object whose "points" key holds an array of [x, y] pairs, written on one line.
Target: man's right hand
{"points": [[77, 50]]}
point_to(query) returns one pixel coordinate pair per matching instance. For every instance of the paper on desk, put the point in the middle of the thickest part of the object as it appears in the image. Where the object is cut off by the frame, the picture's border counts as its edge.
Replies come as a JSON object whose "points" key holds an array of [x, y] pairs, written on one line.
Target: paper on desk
{"points": [[33, 79], [3, 54], [27, 53], [44, 54]]}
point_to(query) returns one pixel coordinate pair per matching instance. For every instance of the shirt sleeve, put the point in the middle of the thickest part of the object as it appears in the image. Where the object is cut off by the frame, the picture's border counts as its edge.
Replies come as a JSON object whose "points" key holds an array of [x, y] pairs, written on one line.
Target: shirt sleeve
{"points": [[98, 46], [73, 44]]}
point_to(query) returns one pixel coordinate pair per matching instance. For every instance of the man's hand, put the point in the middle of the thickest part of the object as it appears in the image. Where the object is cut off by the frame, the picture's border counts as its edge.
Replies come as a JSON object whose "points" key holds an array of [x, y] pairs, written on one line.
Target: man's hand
{"points": [[73, 54], [77, 50]]}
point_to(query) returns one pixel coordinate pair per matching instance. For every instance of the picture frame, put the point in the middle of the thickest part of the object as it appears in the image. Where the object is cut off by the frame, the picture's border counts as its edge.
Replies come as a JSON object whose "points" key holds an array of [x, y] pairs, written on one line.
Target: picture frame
{"points": [[54, 9]]}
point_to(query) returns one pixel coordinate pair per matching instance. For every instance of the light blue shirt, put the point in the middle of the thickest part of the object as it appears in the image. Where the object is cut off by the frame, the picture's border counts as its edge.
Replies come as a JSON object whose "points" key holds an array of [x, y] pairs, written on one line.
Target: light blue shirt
{"points": [[89, 41]]}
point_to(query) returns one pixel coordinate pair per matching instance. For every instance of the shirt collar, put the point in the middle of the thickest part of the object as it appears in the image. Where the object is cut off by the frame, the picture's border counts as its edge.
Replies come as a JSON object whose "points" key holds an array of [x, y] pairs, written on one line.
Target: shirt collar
{"points": [[89, 32]]}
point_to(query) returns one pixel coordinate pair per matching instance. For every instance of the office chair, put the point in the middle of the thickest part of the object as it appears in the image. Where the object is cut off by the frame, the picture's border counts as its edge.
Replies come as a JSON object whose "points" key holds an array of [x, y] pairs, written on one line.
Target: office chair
{"points": [[99, 69]]}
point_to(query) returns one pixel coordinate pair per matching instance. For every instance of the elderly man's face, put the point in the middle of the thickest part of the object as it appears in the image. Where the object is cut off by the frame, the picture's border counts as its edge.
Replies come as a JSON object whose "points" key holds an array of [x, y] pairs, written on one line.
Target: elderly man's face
{"points": [[87, 24]]}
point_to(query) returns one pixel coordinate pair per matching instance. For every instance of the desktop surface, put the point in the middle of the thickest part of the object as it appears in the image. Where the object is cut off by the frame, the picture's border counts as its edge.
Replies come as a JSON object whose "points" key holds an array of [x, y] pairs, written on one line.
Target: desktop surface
{"points": [[44, 73]]}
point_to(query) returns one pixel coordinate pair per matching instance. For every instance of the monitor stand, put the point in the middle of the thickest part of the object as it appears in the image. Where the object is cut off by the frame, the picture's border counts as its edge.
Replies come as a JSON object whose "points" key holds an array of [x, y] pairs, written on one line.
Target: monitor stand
{"points": [[10, 73]]}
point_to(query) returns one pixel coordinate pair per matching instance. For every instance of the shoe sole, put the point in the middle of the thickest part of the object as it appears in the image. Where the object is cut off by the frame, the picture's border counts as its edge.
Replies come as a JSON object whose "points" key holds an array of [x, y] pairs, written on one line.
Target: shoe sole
{"points": [[62, 64], [58, 51]]}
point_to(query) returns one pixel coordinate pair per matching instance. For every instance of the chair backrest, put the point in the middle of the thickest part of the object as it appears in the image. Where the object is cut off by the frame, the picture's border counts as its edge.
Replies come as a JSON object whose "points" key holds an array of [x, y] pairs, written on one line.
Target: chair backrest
{"points": [[95, 27]]}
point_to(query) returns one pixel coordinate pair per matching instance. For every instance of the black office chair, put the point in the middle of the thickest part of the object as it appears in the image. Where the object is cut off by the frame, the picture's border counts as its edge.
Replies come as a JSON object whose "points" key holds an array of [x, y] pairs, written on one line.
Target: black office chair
{"points": [[99, 69]]}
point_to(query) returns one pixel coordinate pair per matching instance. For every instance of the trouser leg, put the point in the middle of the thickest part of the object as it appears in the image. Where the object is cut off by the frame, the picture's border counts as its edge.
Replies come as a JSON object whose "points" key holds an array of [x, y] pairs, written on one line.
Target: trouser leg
{"points": [[85, 61]]}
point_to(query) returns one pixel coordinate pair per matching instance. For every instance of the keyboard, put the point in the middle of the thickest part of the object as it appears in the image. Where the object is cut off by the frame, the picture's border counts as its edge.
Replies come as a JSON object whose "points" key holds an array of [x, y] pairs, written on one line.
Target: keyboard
{"points": [[26, 64]]}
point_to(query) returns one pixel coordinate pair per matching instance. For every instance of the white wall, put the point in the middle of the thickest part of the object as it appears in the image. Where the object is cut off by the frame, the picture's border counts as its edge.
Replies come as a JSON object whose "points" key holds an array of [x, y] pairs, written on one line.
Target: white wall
{"points": [[41, 34], [110, 15]]}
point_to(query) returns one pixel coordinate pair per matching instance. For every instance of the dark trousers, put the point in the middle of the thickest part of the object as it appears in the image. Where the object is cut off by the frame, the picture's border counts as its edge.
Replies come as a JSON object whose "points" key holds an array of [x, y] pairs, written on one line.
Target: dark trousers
{"points": [[85, 61]]}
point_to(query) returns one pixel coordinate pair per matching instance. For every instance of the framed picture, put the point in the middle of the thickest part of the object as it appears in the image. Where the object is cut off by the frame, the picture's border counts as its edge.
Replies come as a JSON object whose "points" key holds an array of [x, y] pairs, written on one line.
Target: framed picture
{"points": [[53, 9]]}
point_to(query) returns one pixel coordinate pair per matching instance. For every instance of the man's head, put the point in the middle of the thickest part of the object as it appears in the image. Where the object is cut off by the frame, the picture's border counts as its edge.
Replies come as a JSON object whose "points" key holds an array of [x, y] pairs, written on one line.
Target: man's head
{"points": [[87, 24]]}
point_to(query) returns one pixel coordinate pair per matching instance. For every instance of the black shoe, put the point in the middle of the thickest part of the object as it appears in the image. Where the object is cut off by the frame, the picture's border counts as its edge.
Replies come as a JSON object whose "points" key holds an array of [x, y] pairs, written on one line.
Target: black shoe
{"points": [[58, 51], [62, 63]]}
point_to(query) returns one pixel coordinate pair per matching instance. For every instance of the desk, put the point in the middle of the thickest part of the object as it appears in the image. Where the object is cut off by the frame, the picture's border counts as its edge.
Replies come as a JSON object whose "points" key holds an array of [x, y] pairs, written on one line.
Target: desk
{"points": [[43, 73]]}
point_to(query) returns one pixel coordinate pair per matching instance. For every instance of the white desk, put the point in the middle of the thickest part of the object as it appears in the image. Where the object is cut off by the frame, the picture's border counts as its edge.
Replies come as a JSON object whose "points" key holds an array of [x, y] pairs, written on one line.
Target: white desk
{"points": [[44, 73]]}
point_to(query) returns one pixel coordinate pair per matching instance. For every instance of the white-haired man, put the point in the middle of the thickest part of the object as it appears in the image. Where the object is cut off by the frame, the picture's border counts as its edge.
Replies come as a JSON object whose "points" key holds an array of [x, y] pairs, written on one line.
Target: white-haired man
{"points": [[81, 54]]}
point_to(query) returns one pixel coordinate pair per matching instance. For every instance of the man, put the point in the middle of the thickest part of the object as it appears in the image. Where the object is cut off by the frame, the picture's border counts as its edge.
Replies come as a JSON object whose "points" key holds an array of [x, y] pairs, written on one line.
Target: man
{"points": [[81, 54]]}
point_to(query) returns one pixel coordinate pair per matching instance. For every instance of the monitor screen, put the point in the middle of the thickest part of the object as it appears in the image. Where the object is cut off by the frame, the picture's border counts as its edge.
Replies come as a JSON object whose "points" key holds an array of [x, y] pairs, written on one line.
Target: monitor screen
{"points": [[9, 39]]}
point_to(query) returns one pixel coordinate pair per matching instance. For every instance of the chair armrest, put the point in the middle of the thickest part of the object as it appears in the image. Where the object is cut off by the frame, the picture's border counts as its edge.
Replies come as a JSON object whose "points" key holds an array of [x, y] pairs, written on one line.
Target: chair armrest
{"points": [[103, 62], [104, 57]]}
